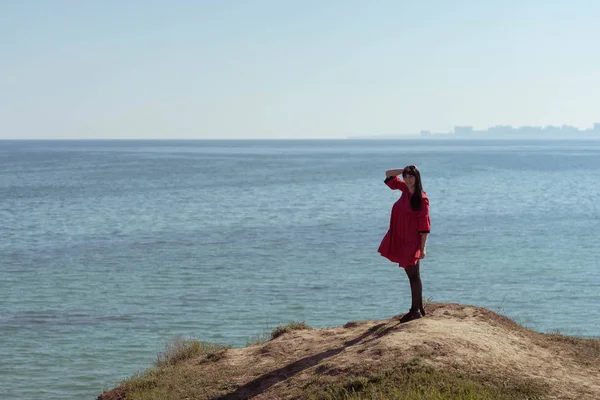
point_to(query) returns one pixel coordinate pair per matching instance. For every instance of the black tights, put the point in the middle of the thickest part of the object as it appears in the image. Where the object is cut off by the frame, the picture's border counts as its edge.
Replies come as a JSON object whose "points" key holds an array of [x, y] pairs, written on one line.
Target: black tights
{"points": [[416, 286]]}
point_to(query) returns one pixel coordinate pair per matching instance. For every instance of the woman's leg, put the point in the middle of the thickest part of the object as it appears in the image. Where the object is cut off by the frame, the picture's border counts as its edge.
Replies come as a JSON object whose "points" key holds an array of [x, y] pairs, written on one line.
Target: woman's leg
{"points": [[416, 288]]}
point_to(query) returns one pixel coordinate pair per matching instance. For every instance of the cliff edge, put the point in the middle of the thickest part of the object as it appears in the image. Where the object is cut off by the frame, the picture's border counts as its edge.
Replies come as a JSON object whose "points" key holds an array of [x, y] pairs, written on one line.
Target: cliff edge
{"points": [[455, 352]]}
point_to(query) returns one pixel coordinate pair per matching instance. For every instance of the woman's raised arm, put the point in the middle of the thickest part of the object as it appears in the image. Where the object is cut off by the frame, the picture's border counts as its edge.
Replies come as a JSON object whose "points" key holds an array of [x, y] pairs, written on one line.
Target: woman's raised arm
{"points": [[393, 172], [393, 181]]}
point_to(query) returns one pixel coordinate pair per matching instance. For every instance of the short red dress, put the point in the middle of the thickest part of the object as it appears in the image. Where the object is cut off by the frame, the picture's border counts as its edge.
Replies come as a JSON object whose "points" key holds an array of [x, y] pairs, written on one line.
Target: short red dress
{"points": [[402, 242]]}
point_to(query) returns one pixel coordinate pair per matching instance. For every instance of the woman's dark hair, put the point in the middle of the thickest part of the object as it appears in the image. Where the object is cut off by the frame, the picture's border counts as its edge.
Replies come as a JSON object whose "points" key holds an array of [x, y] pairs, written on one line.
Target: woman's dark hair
{"points": [[417, 197]]}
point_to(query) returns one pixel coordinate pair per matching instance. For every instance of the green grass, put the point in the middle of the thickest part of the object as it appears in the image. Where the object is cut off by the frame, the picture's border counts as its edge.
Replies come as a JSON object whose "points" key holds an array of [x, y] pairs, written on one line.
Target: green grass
{"points": [[158, 382], [415, 381], [181, 349], [163, 380]]}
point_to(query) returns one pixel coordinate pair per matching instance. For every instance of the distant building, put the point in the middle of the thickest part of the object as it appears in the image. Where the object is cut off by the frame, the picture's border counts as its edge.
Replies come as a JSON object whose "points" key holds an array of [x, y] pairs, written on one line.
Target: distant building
{"points": [[426, 133], [499, 130], [463, 130], [568, 130], [551, 130]]}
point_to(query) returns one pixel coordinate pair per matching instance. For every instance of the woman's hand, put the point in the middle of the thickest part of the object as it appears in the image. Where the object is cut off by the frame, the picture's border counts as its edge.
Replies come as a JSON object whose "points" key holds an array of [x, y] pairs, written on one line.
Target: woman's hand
{"points": [[423, 245]]}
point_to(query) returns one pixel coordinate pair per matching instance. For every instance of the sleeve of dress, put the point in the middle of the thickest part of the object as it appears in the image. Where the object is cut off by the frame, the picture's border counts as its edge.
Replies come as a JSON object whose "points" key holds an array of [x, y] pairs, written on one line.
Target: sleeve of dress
{"points": [[423, 221], [395, 183]]}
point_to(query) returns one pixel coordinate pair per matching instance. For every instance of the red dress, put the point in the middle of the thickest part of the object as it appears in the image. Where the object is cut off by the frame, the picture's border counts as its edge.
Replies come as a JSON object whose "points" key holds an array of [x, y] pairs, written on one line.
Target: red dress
{"points": [[402, 242]]}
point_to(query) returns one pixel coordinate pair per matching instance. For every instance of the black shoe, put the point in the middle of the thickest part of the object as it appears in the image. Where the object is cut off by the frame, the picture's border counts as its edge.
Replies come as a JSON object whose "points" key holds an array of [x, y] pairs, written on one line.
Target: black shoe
{"points": [[412, 314], [422, 309]]}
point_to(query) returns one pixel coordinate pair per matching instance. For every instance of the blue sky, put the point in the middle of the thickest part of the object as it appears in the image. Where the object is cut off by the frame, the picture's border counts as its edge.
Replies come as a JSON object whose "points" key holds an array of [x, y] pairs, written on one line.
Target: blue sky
{"points": [[305, 69]]}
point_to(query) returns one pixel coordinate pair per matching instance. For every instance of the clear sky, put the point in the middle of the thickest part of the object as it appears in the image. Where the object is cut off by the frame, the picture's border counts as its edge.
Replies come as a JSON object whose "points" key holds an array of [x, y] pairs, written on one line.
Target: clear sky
{"points": [[225, 69]]}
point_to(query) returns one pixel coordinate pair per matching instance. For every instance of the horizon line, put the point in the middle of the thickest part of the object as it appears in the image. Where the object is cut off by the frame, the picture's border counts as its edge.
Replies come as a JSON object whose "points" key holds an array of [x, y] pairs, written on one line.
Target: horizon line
{"points": [[448, 136]]}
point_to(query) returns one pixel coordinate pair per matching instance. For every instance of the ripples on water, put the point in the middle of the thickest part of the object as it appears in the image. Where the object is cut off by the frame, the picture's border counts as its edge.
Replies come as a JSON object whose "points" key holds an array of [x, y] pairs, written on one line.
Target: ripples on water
{"points": [[109, 249]]}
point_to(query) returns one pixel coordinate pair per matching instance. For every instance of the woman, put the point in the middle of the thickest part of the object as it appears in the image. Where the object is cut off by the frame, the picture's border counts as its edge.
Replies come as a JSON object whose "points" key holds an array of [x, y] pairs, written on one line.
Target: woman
{"points": [[404, 242]]}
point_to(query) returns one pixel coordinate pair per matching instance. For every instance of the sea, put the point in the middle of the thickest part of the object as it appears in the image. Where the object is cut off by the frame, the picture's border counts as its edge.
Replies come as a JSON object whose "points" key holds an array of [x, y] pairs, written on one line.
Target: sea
{"points": [[111, 249]]}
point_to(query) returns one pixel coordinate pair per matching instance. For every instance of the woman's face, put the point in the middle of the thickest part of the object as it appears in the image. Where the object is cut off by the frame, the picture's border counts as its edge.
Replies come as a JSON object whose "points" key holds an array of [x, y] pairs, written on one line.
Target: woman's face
{"points": [[410, 180]]}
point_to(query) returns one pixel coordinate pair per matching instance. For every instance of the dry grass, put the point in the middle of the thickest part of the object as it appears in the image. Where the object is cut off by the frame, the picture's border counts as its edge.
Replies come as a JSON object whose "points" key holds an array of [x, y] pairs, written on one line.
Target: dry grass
{"points": [[428, 301], [584, 351], [294, 326], [266, 335], [417, 381], [259, 339]]}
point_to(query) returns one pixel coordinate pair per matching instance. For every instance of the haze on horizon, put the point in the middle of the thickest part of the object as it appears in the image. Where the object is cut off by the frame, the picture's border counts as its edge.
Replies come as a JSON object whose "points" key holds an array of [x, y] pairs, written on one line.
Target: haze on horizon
{"points": [[311, 69]]}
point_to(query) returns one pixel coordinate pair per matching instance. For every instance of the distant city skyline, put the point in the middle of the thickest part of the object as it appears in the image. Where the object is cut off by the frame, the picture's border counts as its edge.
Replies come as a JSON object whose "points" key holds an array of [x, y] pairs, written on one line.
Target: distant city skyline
{"points": [[508, 131]]}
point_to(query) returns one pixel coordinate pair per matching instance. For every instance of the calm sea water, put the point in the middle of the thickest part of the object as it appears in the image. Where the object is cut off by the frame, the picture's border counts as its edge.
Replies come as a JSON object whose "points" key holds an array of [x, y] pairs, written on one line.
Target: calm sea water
{"points": [[109, 249]]}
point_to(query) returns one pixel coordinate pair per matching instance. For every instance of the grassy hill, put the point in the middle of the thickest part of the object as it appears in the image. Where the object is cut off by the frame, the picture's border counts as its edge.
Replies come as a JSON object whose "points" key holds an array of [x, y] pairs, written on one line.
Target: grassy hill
{"points": [[456, 352]]}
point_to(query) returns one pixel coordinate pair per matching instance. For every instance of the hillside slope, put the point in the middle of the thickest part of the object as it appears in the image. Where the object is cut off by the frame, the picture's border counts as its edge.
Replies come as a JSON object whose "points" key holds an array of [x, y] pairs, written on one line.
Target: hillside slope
{"points": [[456, 351]]}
